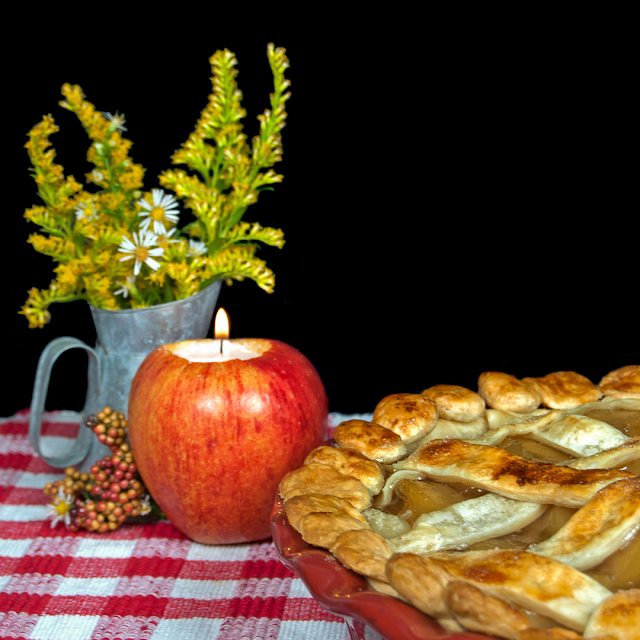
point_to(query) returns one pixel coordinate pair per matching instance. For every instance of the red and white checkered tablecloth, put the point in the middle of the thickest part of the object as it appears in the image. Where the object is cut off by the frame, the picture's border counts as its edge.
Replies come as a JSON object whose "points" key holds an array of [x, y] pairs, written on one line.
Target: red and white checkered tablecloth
{"points": [[140, 581]]}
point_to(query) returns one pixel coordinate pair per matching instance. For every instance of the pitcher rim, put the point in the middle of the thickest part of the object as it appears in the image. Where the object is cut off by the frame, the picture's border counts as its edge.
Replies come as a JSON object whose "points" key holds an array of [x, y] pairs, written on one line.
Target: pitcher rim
{"points": [[155, 307]]}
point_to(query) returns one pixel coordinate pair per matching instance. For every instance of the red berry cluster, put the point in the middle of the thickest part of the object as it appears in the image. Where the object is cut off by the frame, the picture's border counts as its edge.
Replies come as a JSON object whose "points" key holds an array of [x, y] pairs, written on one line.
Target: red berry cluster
{"points": [[104, 498]]}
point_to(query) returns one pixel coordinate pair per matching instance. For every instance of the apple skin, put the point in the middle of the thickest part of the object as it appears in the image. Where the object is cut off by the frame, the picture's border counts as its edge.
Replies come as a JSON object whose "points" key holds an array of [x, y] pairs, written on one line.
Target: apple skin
{"points": [[212, 441]]}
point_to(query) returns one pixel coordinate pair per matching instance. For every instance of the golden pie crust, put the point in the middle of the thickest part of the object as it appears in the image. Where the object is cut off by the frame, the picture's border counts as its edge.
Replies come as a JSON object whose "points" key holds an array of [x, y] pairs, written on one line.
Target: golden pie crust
{"points": [[323, 479], [374, 441], [598, 528], [475, 610], [350, 463], [456, 403], [505, 392], [364, 552], [622, 383], [410, 415], [302, 505], [508, 475], [618, 616], [564, 389], [338, 501], [322, 529], [551, 634]]}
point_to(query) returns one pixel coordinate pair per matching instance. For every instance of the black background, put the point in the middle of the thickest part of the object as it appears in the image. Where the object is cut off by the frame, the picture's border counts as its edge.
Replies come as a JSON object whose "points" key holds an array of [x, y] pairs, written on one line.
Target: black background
{"points": [[456, 198]]}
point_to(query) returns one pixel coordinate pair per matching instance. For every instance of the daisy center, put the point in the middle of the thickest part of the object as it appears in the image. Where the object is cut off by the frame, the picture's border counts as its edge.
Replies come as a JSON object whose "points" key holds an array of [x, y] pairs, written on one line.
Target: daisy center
{"points": [[141, 254], [62, 508], [157, 213]]}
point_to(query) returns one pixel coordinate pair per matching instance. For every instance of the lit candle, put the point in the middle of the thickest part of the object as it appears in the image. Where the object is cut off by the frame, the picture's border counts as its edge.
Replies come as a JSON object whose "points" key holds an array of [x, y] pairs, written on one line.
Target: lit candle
{"points": [[221, 327], [211, 350], [221, 349]]}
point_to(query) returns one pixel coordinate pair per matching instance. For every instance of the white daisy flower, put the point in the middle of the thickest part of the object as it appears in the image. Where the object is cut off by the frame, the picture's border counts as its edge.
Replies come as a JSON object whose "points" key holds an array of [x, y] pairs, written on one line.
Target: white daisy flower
{"points": [[166, 237], [142, 249], [86, 210], [145, 505], [118, 120], [60, 508], [164, 208], [122, 291], [125, 287], [196, 247]]}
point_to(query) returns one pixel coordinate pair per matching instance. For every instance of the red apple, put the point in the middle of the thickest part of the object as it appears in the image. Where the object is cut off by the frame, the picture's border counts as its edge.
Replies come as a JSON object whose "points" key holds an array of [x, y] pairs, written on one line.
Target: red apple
{"points": [[212, 440]]}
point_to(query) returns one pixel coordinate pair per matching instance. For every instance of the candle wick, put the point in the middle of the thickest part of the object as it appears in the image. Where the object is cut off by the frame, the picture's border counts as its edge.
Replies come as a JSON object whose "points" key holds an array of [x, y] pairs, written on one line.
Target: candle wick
{"points": [[221, 343]]}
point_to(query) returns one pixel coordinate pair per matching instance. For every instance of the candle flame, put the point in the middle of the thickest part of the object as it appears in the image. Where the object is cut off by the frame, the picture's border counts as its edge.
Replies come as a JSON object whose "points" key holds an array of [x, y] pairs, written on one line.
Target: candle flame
{"points": [[221, 325]]}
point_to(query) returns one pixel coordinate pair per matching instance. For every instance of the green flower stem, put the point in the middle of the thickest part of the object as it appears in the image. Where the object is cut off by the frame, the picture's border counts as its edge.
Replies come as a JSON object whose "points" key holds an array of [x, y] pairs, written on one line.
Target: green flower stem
{"points": [[213, 181], [112, 186], [167, 293], [52, 231], [71, 298]]}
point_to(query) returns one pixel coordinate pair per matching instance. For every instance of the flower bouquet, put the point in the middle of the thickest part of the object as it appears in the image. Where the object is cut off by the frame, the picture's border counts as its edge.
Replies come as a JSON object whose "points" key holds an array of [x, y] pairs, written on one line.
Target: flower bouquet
{"points": [[121, 248]]}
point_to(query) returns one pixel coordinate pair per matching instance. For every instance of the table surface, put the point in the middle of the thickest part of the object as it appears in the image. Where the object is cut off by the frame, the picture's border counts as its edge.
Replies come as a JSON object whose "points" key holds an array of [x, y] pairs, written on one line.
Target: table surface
{"points": [[140, 581]]}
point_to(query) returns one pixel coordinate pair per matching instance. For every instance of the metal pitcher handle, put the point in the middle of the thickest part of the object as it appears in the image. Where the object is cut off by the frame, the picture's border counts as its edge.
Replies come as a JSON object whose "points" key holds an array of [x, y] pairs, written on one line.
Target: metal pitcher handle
{"points": [[48, 357]]}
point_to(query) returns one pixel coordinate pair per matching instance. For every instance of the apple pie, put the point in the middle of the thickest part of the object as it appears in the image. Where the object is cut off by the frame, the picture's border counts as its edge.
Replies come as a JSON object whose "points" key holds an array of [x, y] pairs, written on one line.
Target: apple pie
{"points": [[513, 510]]}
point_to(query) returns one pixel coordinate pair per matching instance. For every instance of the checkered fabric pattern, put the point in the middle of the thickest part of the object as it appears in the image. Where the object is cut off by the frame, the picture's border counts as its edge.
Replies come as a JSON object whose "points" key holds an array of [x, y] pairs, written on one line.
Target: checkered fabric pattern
{"points": [[140, 581]]}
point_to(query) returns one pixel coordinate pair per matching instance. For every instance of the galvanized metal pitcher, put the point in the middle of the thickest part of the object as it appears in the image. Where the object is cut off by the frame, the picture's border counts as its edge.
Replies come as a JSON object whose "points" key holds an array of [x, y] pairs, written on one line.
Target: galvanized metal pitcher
{"points": [[124, 339]]}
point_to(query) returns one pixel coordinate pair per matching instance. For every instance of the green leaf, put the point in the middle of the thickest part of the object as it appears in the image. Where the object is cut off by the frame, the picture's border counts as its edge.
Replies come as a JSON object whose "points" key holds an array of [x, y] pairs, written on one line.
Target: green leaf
{"points": [[236, 216], [205, 283], [167, 293], [215, 246], [221, 185]]}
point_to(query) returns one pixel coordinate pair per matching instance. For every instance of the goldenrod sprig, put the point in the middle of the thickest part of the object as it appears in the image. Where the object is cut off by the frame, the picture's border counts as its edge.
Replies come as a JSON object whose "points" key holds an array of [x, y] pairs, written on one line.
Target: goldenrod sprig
{"points": [[267, 147], [109, 152], [230, 174]]}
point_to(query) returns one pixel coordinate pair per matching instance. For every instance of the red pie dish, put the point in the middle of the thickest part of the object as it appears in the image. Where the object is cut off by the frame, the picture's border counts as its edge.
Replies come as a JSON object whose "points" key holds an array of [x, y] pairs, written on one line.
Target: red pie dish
{"points": [[370, 615]]}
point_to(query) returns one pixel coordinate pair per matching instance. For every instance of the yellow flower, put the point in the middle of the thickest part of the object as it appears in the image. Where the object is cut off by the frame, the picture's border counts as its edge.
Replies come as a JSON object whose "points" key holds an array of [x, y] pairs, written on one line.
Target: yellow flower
{"points": [[107, 201], [35, 310], [52, 246], [131, 177], [39, 215], [69, 273], [103, 258]]}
